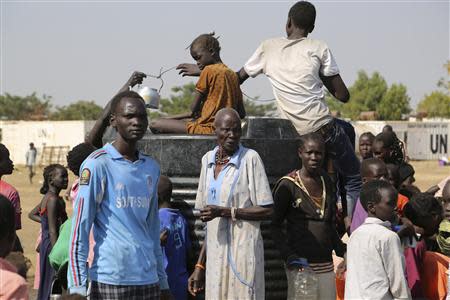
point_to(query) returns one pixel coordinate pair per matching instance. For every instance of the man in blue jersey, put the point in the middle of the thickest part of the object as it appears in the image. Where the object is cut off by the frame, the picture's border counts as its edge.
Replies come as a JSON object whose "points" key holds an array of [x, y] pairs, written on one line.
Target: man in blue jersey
{"points": [[118, 197]]}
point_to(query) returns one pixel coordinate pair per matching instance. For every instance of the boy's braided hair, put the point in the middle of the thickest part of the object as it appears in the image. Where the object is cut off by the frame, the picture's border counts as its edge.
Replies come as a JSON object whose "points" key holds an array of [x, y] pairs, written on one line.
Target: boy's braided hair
{"points": [[49, 172], [391, 142], [207, 41]]}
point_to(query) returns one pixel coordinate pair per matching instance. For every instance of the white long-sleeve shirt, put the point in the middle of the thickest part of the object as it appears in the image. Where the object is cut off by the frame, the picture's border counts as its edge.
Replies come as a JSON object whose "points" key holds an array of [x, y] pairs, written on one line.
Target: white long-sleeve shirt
{"points": [[375, 263]]}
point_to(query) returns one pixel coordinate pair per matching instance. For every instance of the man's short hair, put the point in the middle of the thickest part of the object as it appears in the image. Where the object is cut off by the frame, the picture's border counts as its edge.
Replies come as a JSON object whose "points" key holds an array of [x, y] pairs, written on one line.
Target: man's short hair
{"points": [[369, 135], [164, 189], [422, 205], [314, 136], [127, 94], [227, 111], [371, 192], [405, 170], [367, 164], [303, 14], [388, 128]]}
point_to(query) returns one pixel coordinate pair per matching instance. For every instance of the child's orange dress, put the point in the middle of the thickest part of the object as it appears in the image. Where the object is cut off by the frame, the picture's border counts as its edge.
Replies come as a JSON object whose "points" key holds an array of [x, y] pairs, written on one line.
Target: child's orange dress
{"points": [[221, 85]]}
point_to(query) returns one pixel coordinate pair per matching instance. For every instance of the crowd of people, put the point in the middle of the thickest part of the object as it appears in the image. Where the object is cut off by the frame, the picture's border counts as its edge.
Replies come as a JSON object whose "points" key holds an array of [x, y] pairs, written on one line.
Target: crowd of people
{"points": [[125, 240]]}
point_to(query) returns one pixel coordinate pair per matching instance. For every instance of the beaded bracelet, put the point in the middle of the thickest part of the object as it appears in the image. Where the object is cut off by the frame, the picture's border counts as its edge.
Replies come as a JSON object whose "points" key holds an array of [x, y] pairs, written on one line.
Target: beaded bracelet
{"points": [[233, 214]]}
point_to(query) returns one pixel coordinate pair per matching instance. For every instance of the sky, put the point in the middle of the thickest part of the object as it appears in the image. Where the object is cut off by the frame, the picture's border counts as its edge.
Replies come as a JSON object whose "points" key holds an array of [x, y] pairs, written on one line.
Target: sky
{"points": [[86, 50]]}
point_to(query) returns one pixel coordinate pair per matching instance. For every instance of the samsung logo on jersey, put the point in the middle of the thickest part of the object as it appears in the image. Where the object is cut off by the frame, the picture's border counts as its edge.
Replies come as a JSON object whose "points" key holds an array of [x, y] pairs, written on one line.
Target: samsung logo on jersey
{"points": [[138, 202]]}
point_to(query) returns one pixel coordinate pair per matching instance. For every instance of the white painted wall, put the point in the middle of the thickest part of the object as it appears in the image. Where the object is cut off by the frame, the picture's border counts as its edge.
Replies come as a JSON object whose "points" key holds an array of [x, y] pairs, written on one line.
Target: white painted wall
{"points": [[424, 140], [16, 135]]}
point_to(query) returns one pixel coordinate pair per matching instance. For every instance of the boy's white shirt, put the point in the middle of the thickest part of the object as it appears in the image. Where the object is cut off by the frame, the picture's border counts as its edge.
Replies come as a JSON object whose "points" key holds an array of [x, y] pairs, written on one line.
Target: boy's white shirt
{"points": [[375, 263], [293, 68]]}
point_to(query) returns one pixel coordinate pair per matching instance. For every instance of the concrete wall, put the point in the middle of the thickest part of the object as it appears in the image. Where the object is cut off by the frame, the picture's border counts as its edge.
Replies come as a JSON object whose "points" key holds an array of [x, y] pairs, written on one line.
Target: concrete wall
{"points": [[424, 140], [17, 135]]}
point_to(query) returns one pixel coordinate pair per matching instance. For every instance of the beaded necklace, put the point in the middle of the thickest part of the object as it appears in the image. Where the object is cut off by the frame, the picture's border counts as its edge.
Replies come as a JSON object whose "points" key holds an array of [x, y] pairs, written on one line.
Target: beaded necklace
{"points": [[221, 160], [318, 201]]}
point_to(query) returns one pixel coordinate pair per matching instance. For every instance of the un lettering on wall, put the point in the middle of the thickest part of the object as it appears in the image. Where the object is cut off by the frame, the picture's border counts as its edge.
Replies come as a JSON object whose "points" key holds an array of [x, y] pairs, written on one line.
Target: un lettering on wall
{"points": [[428, 140]]}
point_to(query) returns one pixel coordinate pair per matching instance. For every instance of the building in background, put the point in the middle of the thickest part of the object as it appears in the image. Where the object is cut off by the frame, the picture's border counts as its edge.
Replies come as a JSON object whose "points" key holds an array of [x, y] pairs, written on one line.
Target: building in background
{"points": [[51, 138]]}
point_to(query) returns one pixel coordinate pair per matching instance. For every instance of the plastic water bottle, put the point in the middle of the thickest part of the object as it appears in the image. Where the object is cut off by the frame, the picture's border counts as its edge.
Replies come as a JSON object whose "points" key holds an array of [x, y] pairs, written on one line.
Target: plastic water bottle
{"points": [[302, 281]]}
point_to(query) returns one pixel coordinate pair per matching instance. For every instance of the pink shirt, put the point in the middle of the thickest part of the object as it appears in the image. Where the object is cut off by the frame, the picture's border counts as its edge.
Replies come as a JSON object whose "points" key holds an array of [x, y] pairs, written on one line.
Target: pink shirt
{"points": [[74, 192], [11, 193], [12, 285]]}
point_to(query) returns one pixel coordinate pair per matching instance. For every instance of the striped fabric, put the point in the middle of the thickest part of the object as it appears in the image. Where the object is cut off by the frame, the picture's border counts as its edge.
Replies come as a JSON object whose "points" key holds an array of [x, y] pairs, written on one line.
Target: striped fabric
{"points": [[120, 292], [75, 276], [320, 268], [97, 153]]}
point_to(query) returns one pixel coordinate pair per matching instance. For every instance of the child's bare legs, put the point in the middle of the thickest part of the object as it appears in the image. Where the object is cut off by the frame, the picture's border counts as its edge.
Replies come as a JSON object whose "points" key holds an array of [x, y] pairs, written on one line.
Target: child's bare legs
{"points": [[168, 126]]}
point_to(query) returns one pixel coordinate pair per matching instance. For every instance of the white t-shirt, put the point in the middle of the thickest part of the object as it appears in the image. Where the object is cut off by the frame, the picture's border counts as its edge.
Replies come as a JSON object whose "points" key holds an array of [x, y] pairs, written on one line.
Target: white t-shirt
{"points": [[293, 68]]}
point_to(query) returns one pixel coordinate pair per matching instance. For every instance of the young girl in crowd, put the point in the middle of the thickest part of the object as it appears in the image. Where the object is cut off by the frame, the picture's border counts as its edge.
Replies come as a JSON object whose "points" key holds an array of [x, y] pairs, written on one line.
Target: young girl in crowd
{"points": [[74, 159], [387, 147], [218, 87], [52, 211], [34, 215], [365, 145]]}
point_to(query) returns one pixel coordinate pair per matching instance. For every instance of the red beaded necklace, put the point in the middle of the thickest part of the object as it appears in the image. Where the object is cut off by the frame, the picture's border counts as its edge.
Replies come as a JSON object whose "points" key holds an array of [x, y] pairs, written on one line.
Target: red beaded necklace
{"points": [[220, 160]]}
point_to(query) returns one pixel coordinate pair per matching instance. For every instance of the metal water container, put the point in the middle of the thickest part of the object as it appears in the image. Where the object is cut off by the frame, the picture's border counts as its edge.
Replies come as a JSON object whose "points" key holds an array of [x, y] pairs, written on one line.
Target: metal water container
{"points": [[150, 96]]}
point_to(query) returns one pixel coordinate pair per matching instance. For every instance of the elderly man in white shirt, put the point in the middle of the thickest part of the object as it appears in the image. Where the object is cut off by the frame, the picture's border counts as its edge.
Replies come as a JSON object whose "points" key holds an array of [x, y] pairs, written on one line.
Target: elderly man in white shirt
{"points": [[375, 261]]}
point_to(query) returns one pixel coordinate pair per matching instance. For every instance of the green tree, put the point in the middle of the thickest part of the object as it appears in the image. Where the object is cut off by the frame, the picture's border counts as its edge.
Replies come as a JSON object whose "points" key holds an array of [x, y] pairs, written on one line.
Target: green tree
{"points": [[180, 100], [258, 110], [368, 91], [365, 94], [394, 104], [437, 104], [182, 96], [444, 83], [372, 94], [30, 107], [333, 104], [80, 110]]}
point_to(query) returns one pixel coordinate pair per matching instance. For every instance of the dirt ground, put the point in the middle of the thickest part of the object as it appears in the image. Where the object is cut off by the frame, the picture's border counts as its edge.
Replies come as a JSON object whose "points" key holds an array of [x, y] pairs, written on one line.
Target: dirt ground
{"points": [[428, 173]]}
